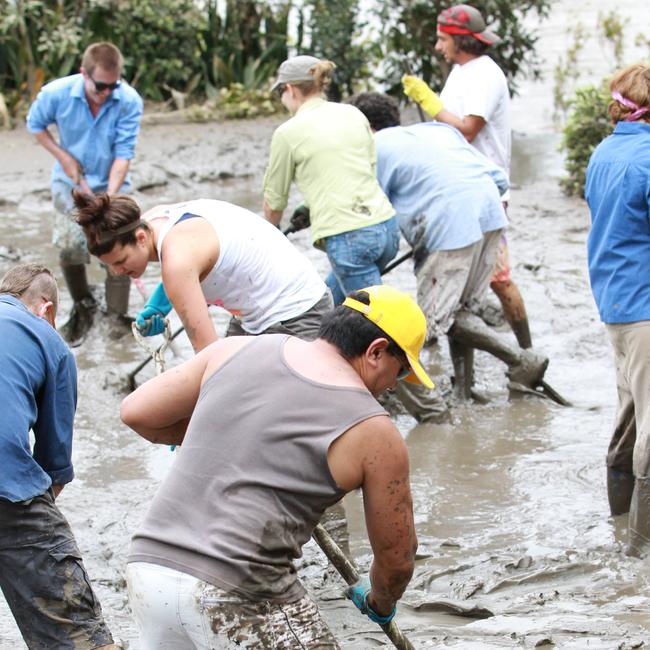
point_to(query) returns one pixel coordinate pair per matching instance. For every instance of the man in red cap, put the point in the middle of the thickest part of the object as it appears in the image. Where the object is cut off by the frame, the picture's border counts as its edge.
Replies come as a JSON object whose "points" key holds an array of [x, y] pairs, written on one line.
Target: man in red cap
{"points": [[476, 101]]}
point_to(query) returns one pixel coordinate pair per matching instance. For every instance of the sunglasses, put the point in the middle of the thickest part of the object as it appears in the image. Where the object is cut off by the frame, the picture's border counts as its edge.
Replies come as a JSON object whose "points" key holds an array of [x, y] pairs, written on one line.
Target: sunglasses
{"points": [[101, 86], [406, 366]]}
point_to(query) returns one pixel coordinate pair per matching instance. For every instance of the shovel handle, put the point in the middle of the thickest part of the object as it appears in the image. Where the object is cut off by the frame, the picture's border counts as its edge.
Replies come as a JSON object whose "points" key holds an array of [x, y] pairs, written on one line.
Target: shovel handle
{"points": [[348, 572]]}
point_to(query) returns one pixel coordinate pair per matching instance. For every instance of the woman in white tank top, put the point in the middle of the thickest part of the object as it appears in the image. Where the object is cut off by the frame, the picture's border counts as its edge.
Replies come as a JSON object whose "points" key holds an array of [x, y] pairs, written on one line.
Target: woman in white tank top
{"points": [[210, 252]]}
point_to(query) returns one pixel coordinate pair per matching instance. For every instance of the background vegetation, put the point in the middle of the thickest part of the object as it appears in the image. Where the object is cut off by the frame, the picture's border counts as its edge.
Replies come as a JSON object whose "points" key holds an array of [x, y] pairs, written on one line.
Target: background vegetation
{"points": [[582, 109], [180, 50]]}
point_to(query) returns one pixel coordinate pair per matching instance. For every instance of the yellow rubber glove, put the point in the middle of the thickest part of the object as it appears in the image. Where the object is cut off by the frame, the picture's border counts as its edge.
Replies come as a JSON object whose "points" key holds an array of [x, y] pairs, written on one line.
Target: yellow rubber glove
{"points": [[418, 91]]}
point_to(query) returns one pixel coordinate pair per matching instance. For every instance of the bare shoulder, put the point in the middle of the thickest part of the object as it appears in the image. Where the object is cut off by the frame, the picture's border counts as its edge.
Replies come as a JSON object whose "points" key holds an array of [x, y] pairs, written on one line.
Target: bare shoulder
{"points": [[217, 353], [378, 442]]}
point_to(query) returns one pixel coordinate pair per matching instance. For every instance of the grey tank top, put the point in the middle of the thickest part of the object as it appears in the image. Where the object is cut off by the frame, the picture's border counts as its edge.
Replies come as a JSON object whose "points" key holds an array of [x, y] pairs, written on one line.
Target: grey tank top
{"points": [[251, 479]]}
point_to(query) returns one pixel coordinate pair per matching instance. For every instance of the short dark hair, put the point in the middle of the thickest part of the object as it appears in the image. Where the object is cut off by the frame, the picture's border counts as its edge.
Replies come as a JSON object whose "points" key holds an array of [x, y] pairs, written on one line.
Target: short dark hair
{"points": [[382, 111], [351, 332], [99, 214], [467, 43]]}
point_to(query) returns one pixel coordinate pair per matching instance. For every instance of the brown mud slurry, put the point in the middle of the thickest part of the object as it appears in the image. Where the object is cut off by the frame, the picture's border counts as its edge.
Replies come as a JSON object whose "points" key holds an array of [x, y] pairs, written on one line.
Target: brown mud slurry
{"points": [[517, 548]]}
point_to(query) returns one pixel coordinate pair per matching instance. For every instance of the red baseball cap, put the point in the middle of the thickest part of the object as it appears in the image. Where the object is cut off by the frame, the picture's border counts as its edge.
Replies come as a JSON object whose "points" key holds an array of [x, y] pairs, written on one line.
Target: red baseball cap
{"points": [[465, 19]]}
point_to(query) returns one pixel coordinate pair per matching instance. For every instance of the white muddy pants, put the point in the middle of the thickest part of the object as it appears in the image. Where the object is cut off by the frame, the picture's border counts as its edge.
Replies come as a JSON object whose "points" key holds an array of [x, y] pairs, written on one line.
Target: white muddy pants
{"points": [[176, 611]]}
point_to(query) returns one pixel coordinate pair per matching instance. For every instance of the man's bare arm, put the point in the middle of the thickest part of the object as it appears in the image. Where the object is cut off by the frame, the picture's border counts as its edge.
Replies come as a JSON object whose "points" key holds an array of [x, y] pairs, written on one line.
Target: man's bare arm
{"points": [[116, 176], [389, 515], [161, 408], [71, 165], [469, 125]]}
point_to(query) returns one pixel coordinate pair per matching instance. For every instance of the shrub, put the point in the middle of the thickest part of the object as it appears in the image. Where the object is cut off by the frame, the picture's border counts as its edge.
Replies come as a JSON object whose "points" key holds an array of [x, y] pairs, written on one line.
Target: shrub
{"points": [[588, 124]]}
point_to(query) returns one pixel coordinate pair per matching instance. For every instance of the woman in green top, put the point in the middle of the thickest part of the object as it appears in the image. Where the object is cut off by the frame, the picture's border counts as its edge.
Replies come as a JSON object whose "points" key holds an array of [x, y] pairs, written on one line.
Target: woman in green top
{"points": [[328, 149]]}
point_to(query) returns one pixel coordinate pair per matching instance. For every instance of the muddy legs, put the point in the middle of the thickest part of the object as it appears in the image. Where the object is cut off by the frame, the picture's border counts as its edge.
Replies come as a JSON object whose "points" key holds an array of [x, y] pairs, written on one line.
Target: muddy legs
{"points": [[117, 289], [639, 522], [525, 367], [514, 310], [619, 491]]}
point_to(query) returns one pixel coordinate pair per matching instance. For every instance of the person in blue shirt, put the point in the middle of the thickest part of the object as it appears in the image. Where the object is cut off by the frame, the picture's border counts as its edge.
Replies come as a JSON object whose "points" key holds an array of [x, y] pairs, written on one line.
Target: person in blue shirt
{"points": [[447, 198], [41, 573], [97, 116], [618, 247]]}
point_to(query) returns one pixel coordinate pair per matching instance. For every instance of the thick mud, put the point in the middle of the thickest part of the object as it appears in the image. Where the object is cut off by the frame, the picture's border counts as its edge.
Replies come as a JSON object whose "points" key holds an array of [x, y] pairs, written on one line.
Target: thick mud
{"points": [[517, 548]]}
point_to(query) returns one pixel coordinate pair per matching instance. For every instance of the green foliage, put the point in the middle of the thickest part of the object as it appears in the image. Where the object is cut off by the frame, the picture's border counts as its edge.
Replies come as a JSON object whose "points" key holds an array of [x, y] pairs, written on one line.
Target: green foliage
{"points": [[588, 124], [159, 43], [567, 72], [334, 31], [409, 37], [180, 50]]}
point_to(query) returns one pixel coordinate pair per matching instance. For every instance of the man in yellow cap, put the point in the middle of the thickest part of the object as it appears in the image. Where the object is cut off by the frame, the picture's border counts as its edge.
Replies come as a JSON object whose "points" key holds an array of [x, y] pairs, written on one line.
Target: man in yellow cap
{"points": [[286, 462]]}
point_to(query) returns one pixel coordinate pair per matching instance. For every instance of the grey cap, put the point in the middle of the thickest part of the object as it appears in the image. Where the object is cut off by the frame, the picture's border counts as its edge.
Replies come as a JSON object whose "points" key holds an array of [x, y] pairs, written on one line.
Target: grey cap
{"points": [[295, 70]]}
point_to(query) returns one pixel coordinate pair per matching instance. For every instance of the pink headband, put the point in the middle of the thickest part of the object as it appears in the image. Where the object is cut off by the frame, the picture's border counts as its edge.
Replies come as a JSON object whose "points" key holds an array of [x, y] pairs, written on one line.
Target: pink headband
{"points": [[638, 110]]}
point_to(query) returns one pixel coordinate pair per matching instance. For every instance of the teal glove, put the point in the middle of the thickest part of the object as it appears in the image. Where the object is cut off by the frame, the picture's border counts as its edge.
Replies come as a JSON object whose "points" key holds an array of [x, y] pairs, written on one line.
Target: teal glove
{"points": [[151, 320], [358, 594]]}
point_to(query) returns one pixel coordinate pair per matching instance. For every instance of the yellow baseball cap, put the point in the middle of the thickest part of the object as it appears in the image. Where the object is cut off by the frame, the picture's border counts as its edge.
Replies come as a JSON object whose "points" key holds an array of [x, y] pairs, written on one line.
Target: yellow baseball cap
{"points": [[397, 314]]}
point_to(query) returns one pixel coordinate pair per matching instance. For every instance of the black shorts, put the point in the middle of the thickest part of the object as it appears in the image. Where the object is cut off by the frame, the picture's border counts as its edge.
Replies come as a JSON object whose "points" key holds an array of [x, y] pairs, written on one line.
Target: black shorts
{"points": [[44, 580]]}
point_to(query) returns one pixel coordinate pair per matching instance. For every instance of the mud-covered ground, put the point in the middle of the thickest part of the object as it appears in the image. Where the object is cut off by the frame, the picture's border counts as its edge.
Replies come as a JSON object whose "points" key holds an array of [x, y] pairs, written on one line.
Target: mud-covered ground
{"points": [[517, 548]]}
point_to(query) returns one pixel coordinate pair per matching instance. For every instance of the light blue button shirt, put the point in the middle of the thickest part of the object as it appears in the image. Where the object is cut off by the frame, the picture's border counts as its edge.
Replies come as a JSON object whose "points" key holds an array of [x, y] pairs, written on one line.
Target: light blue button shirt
{"points": [[438, 182], [94, 141]]}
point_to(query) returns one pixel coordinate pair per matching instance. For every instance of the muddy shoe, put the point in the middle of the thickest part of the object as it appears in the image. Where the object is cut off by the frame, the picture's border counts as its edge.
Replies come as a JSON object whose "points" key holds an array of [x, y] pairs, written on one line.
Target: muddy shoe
{"points": [[528, 371], [74, 331]]}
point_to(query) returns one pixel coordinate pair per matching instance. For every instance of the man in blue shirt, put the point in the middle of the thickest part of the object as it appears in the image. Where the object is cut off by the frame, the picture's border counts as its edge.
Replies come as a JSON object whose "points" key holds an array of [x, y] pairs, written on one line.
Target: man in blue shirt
{"points": [[97, 116], [41, 573], [618, 193], [447, 198]]}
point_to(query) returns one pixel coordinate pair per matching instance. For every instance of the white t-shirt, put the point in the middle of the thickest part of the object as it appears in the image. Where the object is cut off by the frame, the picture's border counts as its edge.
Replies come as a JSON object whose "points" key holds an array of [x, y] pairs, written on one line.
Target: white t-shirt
{"points": [[480, 88], [259, 277]]}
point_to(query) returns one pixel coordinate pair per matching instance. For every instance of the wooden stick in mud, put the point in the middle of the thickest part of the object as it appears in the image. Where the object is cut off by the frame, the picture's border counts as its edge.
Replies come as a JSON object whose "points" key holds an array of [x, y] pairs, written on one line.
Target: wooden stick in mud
{"points": [[343, 565]]}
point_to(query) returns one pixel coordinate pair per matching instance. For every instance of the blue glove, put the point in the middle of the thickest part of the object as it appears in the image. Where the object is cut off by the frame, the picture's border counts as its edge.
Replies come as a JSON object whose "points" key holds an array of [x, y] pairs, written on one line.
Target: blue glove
{"points": [[151, 320], [358, 594]]}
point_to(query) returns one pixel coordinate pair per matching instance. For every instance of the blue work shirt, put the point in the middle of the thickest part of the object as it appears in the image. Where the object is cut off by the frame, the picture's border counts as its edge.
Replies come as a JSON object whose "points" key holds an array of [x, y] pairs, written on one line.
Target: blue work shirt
{"points": [[439, 185], [95, 142], [38, 387], [618, 246]]}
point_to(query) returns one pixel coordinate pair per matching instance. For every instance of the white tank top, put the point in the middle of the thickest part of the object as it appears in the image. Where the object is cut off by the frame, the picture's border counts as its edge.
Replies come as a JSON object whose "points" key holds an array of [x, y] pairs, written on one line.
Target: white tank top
{"points": [[259, 276]]}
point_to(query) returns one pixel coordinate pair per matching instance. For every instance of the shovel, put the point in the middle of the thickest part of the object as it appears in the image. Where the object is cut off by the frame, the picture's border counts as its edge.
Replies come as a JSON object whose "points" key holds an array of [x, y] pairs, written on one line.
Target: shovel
{"points": [[343, 565]]}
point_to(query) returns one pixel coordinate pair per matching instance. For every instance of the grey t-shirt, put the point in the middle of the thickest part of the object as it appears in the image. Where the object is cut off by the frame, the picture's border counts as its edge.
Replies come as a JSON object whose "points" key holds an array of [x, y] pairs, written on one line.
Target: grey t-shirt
{"points": [[251, 479]]}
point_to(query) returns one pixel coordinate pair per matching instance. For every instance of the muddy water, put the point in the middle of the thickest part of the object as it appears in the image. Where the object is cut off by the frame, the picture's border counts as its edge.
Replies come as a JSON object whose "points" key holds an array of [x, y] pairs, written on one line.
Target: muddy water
{"points": [[509, 498]]}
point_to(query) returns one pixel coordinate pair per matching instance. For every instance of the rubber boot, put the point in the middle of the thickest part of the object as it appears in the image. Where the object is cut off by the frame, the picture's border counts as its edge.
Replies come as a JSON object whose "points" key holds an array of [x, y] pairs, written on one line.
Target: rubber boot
{"points": [[525, 367], [81, 317], [639, 522], [620, 486], [514, 310], [117, 288], [462, 358]]}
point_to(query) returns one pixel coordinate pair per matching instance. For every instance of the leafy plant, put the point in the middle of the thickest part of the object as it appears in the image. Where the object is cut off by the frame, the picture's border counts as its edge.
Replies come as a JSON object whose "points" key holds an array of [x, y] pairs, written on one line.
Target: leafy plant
{"points": [[588, 124]]}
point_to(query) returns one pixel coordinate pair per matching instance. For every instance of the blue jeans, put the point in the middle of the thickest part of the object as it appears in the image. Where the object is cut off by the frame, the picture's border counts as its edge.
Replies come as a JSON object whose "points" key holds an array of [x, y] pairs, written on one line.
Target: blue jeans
{"points": [[358, 257]]}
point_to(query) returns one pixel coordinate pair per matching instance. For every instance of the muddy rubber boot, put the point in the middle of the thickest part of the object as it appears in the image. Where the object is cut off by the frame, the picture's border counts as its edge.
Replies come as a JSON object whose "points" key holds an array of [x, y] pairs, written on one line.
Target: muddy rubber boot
{"points": [[463, 369], [528, 370], [117, 289], [639, 522], [525, 367], [514, 310], [620, 486], [82, 314]]}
